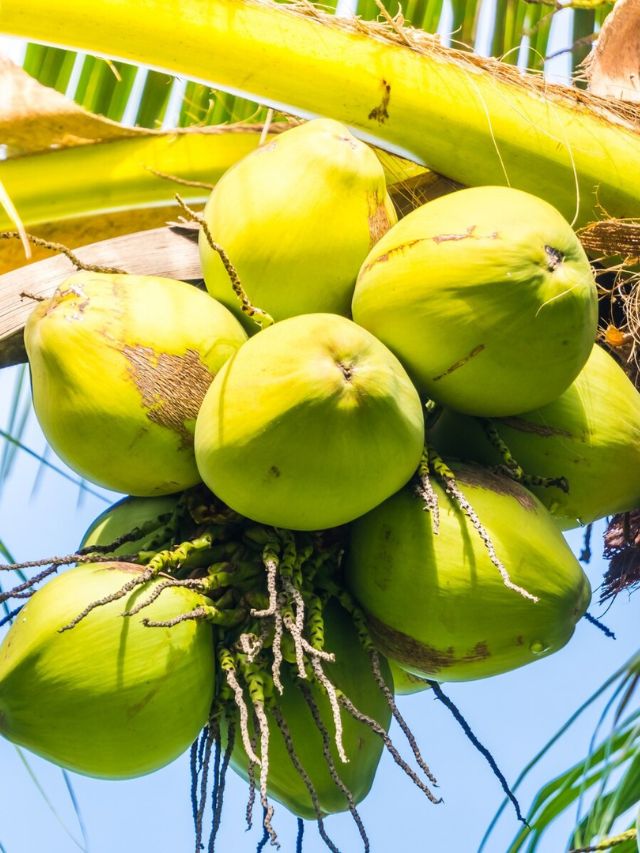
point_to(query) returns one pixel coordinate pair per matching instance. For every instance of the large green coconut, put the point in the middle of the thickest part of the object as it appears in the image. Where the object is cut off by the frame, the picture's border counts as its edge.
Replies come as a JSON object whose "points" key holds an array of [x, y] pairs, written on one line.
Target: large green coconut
{"points": [[131, 514], [437, 604], [312, 423], [119, 367], [297, 217], [352, 674], [486, 296], [590, 435], [109, 697]]}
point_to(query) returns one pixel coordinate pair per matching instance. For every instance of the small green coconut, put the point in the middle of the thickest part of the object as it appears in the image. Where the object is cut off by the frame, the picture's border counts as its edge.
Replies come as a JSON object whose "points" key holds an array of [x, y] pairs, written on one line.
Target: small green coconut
{"points": [[352, 674], [127, 515], [590, 435], [110, 697], [119, 367], [486, 296], [297, 218], [437, 604], [406, 683], [312, 423]]}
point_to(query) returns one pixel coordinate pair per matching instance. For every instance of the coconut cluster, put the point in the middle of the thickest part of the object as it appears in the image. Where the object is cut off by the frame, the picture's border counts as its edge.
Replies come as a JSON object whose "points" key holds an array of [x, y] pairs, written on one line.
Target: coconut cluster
{"points": [[350, 462]]}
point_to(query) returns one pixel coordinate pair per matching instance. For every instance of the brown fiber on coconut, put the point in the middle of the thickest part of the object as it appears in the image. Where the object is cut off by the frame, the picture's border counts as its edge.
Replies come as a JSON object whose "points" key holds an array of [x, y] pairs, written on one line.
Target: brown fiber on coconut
{"points": [[613, 66], [33, 117], [622, 549]]}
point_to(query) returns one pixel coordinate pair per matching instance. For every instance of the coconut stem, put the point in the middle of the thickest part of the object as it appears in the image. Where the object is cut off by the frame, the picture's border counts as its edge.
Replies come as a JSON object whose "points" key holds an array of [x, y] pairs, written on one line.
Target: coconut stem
{"points": [[263, 725], [221, 781], [271, 562], [466, 728], [377, 729], [448, 480], [228, 667], [259, 317], [62, 249], [585, 553], [425, 491], [382, 684], [27, 586], [326, 751], [330, 690], [159, 588], [288, 742], [512, 467]]}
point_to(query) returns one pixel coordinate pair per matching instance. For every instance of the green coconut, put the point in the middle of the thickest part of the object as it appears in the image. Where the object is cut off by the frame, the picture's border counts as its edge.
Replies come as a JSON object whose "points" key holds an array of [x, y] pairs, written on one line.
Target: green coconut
{"points": [[312, 423], [128, 515], [119, 367], [109, 698], [590, 435], [352, 674], [486, 296], [438, 606], [297, 218], [406, 683]]}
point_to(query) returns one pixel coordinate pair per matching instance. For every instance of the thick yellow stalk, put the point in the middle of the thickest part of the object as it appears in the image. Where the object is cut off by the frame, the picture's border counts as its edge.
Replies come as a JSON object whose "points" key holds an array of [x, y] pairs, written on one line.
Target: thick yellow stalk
{"points": [[472, 120], [109, 176]]}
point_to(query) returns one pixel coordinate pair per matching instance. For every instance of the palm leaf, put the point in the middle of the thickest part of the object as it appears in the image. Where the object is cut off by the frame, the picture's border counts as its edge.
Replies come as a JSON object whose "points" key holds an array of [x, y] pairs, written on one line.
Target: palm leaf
{"points": [[559, 147]]}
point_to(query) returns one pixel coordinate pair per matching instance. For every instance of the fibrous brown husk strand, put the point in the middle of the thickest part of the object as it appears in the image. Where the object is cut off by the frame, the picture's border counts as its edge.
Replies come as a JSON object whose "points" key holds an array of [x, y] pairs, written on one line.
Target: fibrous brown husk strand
{"points": [[228, 667], [326, 751], [288, 741], [425, 491], [218, 795], [510, 465], [59, 248], [25, 589], [377, 729], [448, 480], [259, 317], [622, 549], [263, 727], [400, 720]]}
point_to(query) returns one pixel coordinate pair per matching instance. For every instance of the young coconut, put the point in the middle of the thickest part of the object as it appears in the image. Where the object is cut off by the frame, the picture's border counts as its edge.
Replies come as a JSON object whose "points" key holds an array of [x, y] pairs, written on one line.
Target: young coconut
{"points": [[119, 367], [149, 516], [405, 683], [590, 436], [111, 697], [486, 296], [312, 423], [436, 603], [296, 218], [351, 674]]}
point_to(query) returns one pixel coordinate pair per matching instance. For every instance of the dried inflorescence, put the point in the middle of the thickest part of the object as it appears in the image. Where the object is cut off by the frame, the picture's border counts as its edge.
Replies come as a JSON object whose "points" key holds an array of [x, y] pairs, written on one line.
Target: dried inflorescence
{"points": [[622, 549]]}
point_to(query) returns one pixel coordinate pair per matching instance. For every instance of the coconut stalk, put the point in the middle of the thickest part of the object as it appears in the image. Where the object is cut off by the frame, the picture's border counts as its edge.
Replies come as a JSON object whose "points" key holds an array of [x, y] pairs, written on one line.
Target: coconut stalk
{"points": [[399, 86], [106, 176]]}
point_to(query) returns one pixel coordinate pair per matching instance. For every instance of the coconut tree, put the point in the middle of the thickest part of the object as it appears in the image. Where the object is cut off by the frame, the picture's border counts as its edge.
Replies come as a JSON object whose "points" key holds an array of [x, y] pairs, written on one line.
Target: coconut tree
{"points": [[228, 74]]}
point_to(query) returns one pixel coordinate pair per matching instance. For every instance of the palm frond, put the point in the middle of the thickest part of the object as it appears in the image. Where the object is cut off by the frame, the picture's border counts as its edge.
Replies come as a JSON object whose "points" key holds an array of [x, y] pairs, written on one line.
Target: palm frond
{"points": [[80, 844]]}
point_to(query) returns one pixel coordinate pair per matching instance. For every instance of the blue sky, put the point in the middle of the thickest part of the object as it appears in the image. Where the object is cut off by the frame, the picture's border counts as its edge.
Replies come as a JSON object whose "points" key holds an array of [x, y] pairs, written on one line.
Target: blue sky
{"points": [[513, 714]]}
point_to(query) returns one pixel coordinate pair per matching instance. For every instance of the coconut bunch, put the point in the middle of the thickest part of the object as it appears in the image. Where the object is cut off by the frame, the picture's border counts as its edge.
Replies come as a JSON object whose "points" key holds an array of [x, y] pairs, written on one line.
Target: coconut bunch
{"points": [[350, 460]]}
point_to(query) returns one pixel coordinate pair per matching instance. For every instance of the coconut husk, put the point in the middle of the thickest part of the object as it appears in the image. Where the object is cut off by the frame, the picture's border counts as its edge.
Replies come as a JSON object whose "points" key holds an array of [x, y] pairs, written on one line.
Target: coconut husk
{"points": [[612, 237], [613, 66], [622, 549], [34, 117]]}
